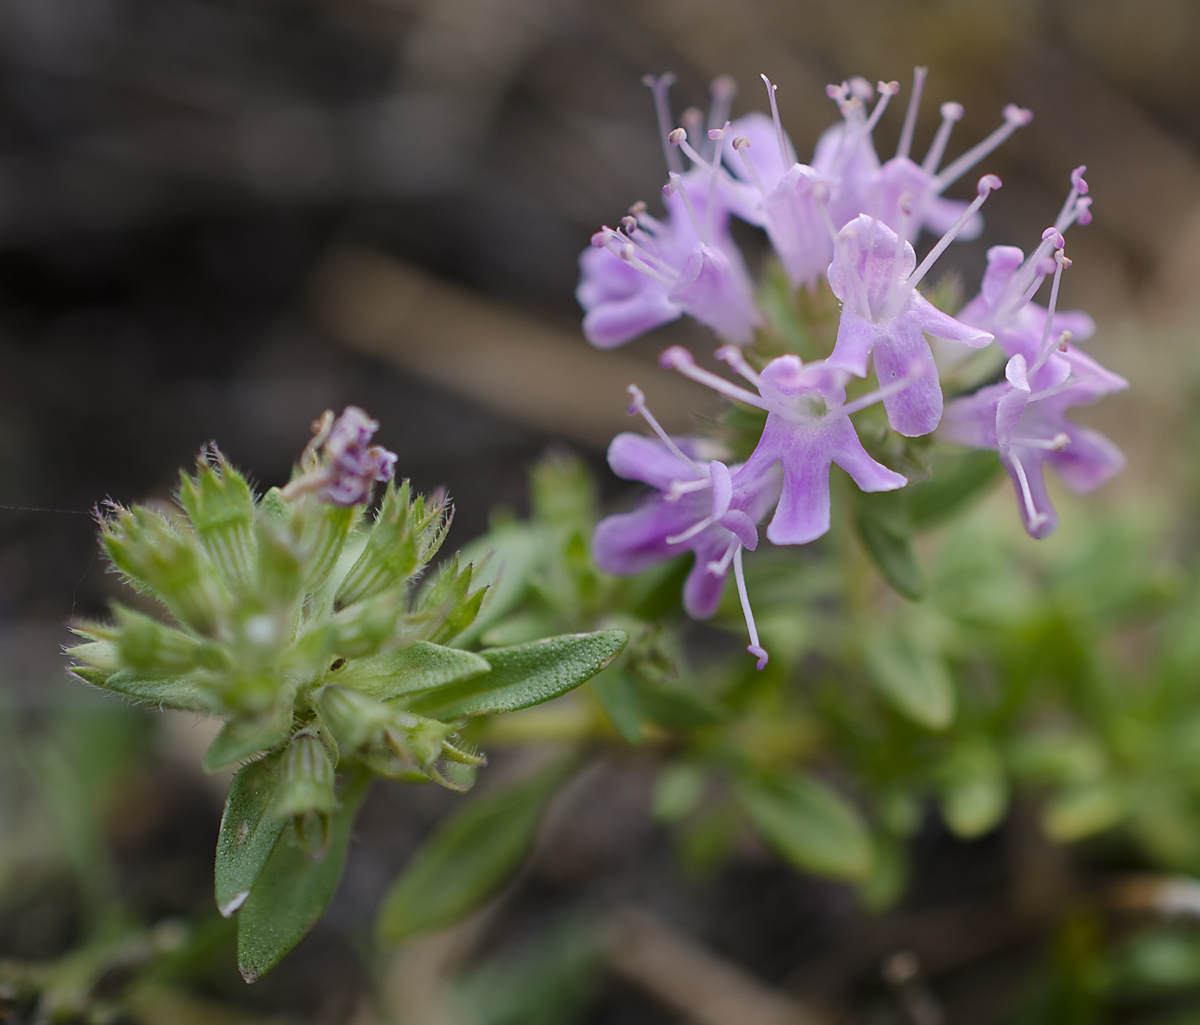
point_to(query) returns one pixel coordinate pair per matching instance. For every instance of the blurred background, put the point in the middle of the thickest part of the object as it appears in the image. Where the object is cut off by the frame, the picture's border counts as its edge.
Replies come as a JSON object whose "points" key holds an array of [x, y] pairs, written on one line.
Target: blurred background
{"points": [[220, 217]]}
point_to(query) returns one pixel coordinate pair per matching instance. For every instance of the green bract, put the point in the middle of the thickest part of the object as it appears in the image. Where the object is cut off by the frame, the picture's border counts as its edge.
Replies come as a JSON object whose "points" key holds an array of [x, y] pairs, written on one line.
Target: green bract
{"points": [[300, 624]]}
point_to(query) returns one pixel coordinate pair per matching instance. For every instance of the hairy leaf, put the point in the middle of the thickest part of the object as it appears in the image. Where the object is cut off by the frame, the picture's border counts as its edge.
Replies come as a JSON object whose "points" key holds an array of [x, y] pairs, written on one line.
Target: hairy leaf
{"points": [[292, 891], [525, 675], [469, 857]]}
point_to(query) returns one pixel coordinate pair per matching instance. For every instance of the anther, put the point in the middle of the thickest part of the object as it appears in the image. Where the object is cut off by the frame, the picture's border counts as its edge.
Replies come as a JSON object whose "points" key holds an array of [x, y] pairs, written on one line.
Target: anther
{"points": [[888, 88], [638, 208], [629, 224], [951, 114], [1019, 116], [716, 134], [1077, 180], [1060, 441], [677, 136], [676, 358], [860, 88], [1056, 235]]}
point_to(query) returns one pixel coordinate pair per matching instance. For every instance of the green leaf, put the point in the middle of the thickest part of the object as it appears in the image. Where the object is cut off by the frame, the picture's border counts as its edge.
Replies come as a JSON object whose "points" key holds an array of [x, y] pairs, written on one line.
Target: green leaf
{"points": [[248, 832], [241, 738], [953, 485], [1083, 810], [810, 826], [505, 559], [525, 675], [188, 692], [470, 856], [419, 667], [884, 529], [912, 679], [674, 708], [618, 696], [292, 891], [678, 791], [974, 790]]}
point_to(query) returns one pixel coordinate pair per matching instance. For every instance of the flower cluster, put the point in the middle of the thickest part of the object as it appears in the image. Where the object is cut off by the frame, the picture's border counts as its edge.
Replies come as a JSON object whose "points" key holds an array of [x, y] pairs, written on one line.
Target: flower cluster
{"points": [[851, 219]]}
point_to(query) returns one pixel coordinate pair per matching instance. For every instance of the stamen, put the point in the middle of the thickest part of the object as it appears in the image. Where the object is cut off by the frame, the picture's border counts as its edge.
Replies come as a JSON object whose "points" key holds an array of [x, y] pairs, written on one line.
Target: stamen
{"points": [[719, 569], [951, 113], [1056, 444], [1045, 348], [740, 145], [721, 90], [680, 488], [662, 107], [1071, 211], [860, 89], [1014, 117], [692, 531], [638, 407], [904, 147], [901, 236], [878, 395], [717, 135], [783, 149], [886, 91], [1036, 519], [678, 358], [628, 253], [739, 574], [732, 355], [987, 184], [676, 185]]}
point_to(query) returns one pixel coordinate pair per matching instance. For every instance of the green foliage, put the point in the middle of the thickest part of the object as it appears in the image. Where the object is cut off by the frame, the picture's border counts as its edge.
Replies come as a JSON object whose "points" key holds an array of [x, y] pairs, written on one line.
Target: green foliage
{"points": [[299, 623], [292, 891], [468, 858]]}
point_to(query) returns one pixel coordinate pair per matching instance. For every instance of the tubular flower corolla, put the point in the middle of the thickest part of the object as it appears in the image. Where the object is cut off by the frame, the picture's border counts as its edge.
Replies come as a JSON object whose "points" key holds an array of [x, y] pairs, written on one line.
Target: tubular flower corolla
{"points": [[808, 429], [875, 275]]}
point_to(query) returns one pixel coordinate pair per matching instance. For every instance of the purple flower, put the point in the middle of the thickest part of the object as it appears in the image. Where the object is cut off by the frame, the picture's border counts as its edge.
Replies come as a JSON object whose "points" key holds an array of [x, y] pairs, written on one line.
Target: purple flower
{"points": [[348, 465], [1003, 305], [884, 314], [702, 506], [778, 193], [808, 429], [652, 271], [1024, 419]]}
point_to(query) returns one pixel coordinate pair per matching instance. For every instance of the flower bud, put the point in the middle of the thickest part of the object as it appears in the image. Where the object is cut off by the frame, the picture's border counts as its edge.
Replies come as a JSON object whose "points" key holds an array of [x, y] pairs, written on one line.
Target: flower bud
{"points": [[167, 562], [356, 720], [305, 794], [364, 628], [219, 504], [405, 536]]}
